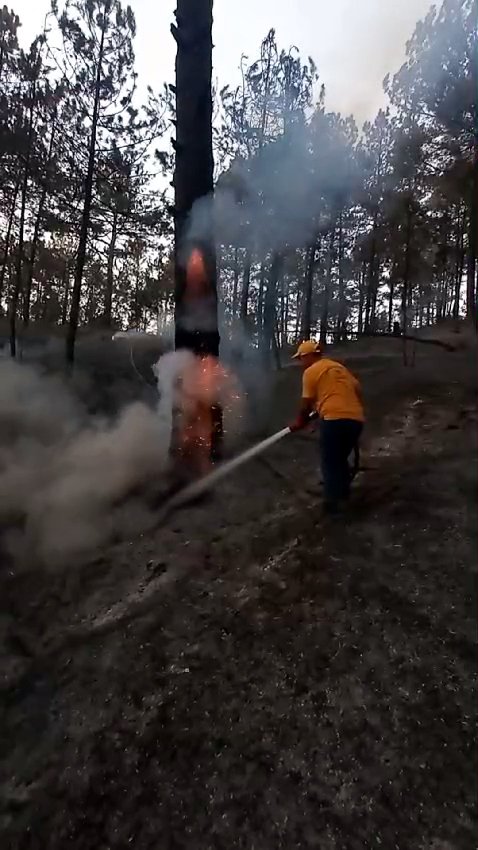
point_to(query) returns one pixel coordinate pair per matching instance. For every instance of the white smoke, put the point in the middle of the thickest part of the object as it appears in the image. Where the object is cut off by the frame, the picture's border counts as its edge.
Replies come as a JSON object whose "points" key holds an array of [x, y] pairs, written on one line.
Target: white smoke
{"points": [[63, 474]]}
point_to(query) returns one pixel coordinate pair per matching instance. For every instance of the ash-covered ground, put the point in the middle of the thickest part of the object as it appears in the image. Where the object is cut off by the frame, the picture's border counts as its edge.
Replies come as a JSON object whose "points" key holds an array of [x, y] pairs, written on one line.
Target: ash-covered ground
{"points": [[248, 675]]}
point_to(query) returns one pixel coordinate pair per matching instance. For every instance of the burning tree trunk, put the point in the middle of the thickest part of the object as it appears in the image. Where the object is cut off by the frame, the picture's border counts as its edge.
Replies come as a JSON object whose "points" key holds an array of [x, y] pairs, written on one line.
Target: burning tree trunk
{"points": [[196, 320]]}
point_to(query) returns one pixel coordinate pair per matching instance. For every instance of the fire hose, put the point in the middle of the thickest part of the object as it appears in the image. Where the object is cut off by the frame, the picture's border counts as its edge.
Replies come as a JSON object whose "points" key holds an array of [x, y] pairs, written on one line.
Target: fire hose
{"points": [[202, 485]]}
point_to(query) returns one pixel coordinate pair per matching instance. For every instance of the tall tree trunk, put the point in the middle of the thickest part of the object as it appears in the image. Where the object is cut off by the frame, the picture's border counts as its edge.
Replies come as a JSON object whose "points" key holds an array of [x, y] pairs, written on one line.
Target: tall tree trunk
{"points": [[372, 276], [21, 227], [471, 275], [298, 312], [306, 321], [391, 294], [460, 260], [260, 298], [472, 240], [270, 301], [406, 269], [8, 235], [85, 218], [195, 313], [110, 271], [342, 309], [66, 287], [196, 320], [246, 282], [36, 232], [285, 338], [324, 319], [235, 288], [360, 318]]}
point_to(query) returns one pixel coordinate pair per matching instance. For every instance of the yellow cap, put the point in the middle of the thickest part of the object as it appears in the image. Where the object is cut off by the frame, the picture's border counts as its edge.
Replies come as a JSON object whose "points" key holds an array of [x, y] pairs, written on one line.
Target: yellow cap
{"points": [[310, 346]]}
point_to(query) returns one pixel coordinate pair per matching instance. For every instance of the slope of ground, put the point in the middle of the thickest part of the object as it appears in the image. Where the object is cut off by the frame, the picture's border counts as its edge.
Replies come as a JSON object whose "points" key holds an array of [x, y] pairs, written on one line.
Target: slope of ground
{"points": [[248, 675]]}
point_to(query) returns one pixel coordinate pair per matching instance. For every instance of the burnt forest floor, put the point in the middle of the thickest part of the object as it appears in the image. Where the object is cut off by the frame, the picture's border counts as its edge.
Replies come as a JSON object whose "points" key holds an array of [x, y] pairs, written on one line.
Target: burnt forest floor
{"points": [[250, 675]]}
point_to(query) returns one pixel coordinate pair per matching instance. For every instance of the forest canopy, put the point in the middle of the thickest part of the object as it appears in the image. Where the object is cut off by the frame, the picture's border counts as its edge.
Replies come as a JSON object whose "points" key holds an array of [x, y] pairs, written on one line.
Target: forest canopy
{"points": [[322, 227]]}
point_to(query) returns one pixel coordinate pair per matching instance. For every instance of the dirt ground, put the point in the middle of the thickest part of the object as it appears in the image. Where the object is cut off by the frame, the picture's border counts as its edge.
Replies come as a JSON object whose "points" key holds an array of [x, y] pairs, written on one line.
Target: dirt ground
{"points": [[250, 675]]}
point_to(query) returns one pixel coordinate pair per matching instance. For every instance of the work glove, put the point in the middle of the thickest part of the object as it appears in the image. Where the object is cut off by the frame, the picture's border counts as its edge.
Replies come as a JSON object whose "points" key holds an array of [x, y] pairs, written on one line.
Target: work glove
{"points": [[297, 425]]}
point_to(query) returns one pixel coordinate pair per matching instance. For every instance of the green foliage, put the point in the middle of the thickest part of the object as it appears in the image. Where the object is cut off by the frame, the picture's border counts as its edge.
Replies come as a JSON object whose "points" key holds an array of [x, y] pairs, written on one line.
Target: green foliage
{"points": [[320, 224]]}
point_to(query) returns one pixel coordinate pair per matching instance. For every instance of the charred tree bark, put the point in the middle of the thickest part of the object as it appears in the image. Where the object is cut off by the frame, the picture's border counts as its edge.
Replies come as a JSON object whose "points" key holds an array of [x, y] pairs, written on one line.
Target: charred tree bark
{"points": [[193, 177], [196, 320], [85, 218]]}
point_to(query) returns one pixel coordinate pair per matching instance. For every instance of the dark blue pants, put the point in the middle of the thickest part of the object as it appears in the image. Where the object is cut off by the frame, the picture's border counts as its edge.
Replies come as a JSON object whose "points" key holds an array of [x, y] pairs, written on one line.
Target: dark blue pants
{"points": [[338, 439]]}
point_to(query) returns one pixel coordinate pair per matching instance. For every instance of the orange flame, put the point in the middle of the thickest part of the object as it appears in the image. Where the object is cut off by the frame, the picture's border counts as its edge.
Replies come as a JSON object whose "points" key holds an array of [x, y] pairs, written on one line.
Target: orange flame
{"points": [[201, 390], [196, 275], [204, 386]]}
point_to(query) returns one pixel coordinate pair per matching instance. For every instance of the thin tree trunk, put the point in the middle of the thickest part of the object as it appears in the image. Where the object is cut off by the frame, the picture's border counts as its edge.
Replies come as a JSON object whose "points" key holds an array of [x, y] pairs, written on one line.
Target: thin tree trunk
{"points": [[298, 312], [110, 272], [85, 218], [324, 319], [306, 322], [36, 233], [472, 240], [66, 286], [260, 298], [391, 295], [360, 323], [369, 315], [270, 301], [286, 314], [246, 282], [21, 228], [460, 260], [235, 289], [8, 235], [341, 312], [406, 270]]}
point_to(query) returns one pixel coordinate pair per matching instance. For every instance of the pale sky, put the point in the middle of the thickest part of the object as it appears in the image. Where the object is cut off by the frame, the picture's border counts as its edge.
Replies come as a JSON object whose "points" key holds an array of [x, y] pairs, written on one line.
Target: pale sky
{"points": [[353, 42]]}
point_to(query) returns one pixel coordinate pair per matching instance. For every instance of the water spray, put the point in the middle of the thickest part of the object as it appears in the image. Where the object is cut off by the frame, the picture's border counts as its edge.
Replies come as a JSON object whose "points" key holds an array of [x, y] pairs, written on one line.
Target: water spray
{"points": [[202, 485], [197, 488]]}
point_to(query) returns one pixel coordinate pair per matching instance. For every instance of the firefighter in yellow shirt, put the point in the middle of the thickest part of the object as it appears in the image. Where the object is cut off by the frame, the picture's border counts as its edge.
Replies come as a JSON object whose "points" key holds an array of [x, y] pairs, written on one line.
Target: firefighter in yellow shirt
{"points": [[330, 390]]}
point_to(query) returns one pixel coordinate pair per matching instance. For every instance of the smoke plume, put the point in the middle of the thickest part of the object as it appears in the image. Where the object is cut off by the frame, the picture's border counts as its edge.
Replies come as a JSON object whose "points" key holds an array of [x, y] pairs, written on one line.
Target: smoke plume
{"points": [[62, 474]]}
